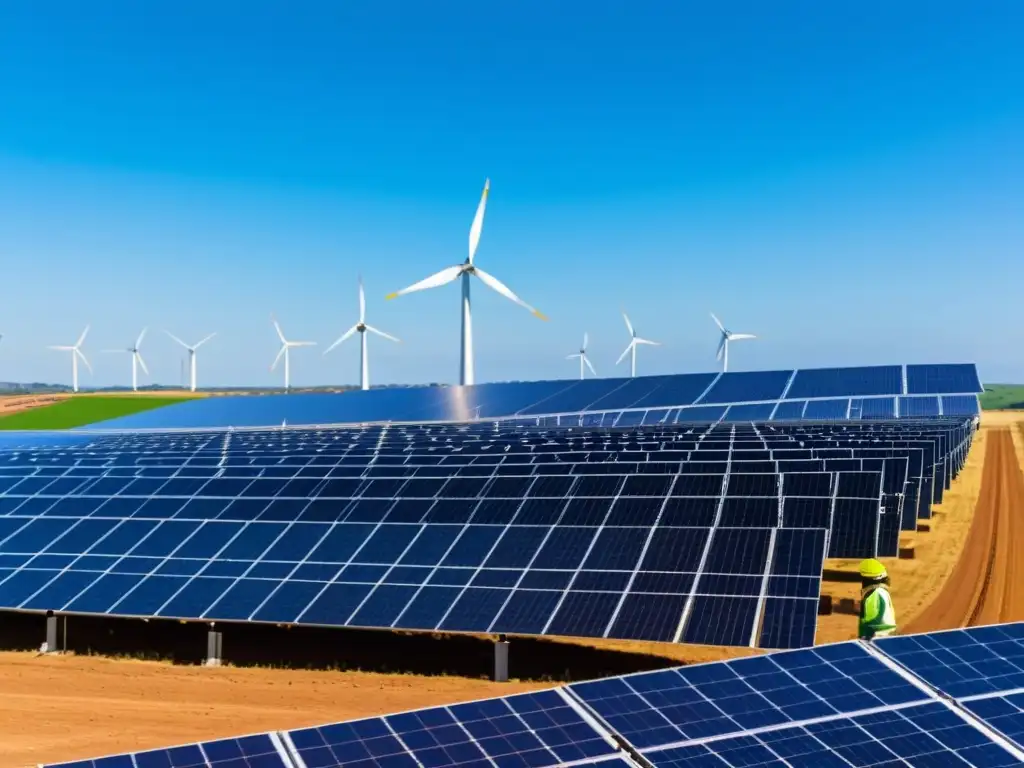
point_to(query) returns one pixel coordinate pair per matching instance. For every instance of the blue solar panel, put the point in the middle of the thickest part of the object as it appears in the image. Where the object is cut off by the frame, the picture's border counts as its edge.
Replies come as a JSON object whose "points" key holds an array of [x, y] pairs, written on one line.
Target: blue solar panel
{"points": [[259, 751], [826, 409], [530, 730], [789, 410], [677, 705], [1003, 713], [698, 414], [960, 405], [875, 407], [964, 662], [919, 407], [847, 382], [750, 412], [748, 385], [957, 379], [920, 735]]}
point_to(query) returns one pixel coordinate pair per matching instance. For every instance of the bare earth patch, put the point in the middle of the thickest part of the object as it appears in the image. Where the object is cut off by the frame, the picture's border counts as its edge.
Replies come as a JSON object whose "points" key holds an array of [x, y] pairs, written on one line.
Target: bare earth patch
{"points": [[15, 403]]}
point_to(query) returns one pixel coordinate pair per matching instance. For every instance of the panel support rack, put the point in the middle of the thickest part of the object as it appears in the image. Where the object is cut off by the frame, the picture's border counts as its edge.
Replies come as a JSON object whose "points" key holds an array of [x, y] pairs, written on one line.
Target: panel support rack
{"points": [[50, 643], [501, 660], [214, 646]]}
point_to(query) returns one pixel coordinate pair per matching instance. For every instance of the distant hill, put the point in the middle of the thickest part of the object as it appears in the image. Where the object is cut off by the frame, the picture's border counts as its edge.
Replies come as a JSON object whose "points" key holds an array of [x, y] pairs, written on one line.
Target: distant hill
{"points": [[1002, 397]]}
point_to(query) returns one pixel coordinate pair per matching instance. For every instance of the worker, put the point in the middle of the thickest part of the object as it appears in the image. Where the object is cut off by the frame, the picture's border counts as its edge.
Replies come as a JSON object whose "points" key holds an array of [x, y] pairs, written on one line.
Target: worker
{"points": [[877, 615]]}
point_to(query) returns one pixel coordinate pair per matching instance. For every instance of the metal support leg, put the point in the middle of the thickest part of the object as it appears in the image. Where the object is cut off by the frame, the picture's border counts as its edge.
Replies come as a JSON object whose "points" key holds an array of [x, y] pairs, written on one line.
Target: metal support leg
{"points": [[50, 644], [214, 647], [501, 660]]}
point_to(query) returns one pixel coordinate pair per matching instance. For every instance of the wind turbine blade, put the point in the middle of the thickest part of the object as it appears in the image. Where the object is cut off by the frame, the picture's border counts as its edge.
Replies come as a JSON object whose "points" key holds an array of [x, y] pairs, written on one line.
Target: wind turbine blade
{"points": [[277, 328], [624, 353], [721, 347], [197, 346], [301, 343], [437, 279], [573, 357], [381, 333], [280, 354], [82, 337], [142, 363], [84, 358], [586, 338], [638, 340], [478, 221], [629, 325], [186, 346], [61, 348], [591, 367], [362, 301], [496, 285], [718, 323], [342, 338], [138, 342], [738, 336]]}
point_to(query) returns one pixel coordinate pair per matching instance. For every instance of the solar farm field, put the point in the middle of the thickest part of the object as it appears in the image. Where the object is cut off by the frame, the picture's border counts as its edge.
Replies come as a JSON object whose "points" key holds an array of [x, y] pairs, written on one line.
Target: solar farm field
{"points": [[66, 412], [599, 545]]}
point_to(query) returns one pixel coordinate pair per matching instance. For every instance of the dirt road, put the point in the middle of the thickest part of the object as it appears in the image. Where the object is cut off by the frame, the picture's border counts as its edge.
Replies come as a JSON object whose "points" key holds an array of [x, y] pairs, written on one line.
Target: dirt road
{"points": [[987, 584]]}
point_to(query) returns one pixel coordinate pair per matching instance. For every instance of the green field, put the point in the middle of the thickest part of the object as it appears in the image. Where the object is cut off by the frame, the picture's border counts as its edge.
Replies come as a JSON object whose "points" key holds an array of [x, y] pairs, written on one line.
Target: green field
{"points": [[998, 396], [83, 410]]}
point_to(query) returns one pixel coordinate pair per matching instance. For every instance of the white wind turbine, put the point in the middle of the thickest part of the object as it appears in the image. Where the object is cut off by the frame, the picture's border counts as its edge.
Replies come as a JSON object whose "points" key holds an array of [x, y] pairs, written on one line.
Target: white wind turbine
{"points": [[634, 341], [76, 352], [286, 347], [582, 355], [361, 327], [191, 355], [136, 360], [466, 270], [723, 344]]}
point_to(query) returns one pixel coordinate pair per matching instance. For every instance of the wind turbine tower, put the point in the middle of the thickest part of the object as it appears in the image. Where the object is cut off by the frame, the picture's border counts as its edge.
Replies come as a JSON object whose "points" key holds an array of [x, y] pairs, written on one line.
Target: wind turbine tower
{"points": [[285, 351], [466, 270], [76, 353], [634, 342], [361, 328], [723, 343], [136, 360], [191, 355]]}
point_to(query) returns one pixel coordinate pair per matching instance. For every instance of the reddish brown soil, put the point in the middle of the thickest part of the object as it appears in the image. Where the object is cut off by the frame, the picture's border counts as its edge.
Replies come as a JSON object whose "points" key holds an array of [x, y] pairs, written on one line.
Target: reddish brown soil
{"points": [[987, 584]]}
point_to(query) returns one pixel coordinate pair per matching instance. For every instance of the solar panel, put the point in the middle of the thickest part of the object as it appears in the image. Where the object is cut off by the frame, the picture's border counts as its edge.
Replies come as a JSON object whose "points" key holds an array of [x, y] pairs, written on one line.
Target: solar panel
{"points": [[532, 729], [259, 751], [753, 395]]}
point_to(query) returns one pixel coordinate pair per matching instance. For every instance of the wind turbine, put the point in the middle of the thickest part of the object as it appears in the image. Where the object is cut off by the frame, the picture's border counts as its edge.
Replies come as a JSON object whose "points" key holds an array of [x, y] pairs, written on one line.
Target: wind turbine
{"points": [[361, 327], [286, 347], [191, 354], [582, 355], [634, 341], [76, 352], [723, 344], [466, 270], [136, 360]]}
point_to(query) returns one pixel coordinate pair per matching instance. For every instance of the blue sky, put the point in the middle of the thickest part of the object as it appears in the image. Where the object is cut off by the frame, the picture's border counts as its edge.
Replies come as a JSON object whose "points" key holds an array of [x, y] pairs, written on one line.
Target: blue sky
{"points": [[845, 180]]}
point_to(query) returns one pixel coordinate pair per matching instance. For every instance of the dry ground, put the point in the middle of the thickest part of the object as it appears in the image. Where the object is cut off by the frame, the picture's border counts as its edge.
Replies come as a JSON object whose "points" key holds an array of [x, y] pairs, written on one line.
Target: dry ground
{"points": [[63, 708], [14, 403]]}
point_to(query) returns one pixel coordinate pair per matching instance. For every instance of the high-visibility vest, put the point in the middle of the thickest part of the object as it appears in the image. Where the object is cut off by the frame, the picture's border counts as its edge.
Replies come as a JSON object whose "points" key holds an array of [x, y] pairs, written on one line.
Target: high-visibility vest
{"points": [[877, 615]]}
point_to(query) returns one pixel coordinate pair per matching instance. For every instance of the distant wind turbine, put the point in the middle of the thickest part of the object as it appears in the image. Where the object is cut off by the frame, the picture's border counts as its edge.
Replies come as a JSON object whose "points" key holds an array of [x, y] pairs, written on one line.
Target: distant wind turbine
{"points": [[191, 354], [634, 341], [76, 352], [582, 355], [723, 344], [136, 360], [466, 270], [285, 351], [361, 328]]}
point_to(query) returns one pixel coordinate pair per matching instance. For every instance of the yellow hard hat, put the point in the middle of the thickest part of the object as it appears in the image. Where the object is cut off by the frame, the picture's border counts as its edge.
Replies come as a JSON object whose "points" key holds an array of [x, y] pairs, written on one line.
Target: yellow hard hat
{"points": [[872, 569]]}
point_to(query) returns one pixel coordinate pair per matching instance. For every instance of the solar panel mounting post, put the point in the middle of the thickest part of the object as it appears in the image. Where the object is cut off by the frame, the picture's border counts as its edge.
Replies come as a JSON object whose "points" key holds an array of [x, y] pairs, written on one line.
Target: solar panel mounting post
{"points": [[214, 646], [50, 644], [501, 660]]}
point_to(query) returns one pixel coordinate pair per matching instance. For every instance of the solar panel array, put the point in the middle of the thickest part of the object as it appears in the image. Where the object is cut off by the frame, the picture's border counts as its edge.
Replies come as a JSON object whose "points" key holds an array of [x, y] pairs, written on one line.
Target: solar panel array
{"points": [[711, 534], [879, 392], [938, 699]]}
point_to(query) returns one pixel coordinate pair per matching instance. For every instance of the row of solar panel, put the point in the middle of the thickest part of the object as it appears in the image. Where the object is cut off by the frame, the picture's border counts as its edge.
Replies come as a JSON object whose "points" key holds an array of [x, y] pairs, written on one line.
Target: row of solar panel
{"points": [[941, 699], [628, 582], [552, 397]]}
